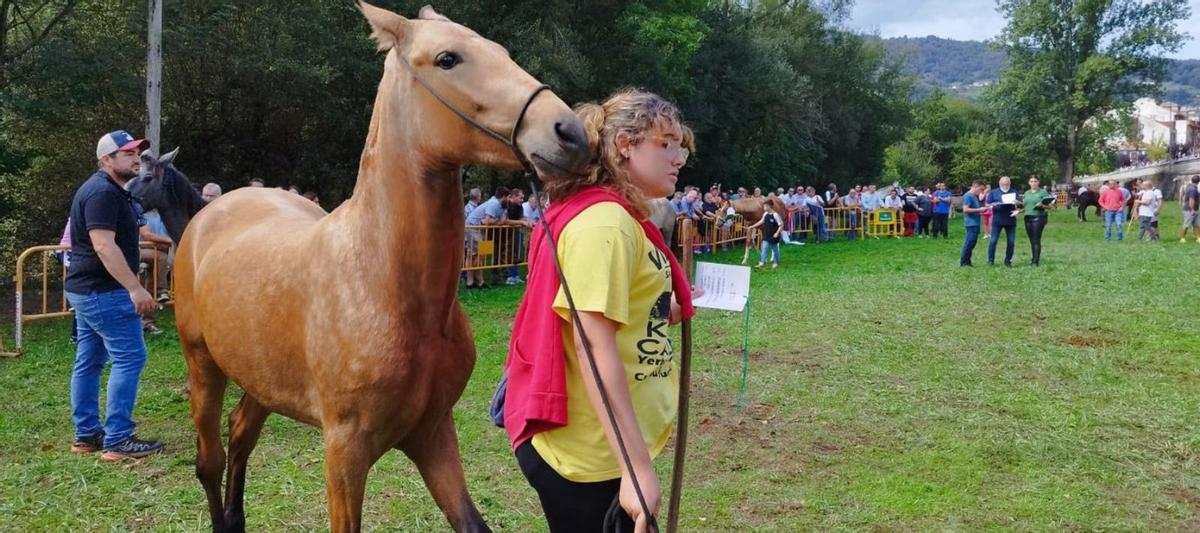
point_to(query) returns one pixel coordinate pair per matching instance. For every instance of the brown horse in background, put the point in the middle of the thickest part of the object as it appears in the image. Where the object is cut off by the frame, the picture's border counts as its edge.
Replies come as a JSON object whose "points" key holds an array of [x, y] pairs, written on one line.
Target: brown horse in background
{"points": [[752, 211], [350, 321]]}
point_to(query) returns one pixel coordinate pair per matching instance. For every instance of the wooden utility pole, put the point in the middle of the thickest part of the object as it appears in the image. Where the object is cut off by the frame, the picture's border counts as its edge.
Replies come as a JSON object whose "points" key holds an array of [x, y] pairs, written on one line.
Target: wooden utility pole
{"points": [[154, 77]]}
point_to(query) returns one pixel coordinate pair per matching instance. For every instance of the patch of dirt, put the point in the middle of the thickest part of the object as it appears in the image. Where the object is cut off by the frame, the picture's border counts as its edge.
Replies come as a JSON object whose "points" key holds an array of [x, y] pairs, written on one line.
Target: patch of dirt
{"points": [[807, 360], [760, 438], [1089, 342], [1188, 497]]}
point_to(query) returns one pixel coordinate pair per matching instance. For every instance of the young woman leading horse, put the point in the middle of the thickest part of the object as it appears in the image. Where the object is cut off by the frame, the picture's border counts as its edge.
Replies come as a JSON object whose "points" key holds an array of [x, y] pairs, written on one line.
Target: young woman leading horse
{"points": [[588, 453], [350, 320]]}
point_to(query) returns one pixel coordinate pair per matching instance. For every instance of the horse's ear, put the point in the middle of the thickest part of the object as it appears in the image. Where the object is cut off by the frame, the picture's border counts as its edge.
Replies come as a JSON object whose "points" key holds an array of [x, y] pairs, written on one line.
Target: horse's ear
{"points": [[427, 13], [169, 157], [387, 28]]}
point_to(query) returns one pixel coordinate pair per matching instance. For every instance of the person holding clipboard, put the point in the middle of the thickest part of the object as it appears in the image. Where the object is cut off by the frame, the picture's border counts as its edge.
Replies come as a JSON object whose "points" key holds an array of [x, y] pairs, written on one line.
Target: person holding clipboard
{"points": [[1036, 200], [1003, 202]]}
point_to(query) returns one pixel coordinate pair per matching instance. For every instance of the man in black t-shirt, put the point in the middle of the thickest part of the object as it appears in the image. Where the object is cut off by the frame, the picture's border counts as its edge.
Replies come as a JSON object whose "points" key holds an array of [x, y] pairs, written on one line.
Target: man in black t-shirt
{"points": [[103, 289], [910, 211], [511, 243]]}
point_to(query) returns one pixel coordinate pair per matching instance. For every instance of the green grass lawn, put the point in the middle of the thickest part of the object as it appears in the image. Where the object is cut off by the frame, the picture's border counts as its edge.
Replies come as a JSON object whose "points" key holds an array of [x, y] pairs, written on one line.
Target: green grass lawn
{"points": [[890, 390]]}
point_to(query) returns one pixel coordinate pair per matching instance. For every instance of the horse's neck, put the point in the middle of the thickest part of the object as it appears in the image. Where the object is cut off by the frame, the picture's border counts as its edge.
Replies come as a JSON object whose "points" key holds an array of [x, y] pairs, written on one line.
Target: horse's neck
{"points": [[405, 211], [182, 204]]}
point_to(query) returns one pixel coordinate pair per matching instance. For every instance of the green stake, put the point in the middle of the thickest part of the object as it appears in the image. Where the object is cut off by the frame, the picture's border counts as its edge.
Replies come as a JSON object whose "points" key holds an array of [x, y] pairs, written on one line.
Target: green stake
{"points": [[742, 395]]}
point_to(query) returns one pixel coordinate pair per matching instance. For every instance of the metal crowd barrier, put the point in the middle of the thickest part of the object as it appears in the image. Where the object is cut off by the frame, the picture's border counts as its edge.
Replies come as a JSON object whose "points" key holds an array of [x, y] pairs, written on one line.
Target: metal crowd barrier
{"points": [[885, 223], [492, 247], [714, 234], [847, 220], [54, 285]]}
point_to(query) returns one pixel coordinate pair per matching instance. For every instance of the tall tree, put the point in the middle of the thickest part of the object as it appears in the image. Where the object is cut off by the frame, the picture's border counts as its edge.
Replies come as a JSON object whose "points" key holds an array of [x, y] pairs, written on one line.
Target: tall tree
{"points": [[25, 24], [1074, 60]]}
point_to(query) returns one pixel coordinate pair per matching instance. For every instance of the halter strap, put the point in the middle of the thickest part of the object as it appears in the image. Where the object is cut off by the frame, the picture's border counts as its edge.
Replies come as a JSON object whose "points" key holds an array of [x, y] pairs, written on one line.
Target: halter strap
{"points": [[510, 141]]}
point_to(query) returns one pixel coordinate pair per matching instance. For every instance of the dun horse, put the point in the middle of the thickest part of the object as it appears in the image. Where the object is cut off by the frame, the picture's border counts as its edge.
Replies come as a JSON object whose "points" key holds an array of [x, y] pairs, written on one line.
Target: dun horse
{"points": [[350, 320]]}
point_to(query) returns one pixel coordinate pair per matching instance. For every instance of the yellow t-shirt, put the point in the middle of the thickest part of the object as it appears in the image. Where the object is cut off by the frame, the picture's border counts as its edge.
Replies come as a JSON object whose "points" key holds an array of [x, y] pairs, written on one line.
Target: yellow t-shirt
{"points": [[613, 269]]}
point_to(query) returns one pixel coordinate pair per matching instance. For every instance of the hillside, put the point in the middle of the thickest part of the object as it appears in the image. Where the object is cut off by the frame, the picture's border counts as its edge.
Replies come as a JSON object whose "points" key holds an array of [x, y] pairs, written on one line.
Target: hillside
{"points": [[966, 67]]}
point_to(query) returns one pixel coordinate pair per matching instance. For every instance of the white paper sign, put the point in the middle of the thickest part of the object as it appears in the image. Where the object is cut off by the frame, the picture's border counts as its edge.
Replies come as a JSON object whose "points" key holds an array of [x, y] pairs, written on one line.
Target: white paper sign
{"points": [[725, 287], [1010, 198]]}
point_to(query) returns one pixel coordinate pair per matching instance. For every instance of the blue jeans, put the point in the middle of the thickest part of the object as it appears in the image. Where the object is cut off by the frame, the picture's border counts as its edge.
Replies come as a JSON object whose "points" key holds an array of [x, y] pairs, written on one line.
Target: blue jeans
{"points": [[772, 247], [818, 214], [518, 256], [969, 245], [1010, 233], [852, 234], [1111, 218], [108, 327]]}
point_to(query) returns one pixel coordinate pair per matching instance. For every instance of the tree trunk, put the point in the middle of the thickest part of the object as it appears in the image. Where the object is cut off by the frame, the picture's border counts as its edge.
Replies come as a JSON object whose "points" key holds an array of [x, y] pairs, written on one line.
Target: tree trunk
{"points": [[1066, 158]]}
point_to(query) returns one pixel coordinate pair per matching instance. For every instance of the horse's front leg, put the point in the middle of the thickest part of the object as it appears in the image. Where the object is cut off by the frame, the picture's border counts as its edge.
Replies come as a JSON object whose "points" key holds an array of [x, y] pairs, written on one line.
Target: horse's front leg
{"points": [[349, 454], [436, 455]]}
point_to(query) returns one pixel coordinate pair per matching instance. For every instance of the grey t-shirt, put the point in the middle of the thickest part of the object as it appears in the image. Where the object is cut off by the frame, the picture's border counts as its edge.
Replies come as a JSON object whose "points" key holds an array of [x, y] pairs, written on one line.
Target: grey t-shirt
{"points": [[1191, 197]]}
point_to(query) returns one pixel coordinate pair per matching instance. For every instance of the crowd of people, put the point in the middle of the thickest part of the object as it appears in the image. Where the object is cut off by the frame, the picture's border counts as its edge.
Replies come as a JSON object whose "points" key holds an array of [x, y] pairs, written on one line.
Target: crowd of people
{"points": [[506, 208], [926, 211], [1137, 199]]}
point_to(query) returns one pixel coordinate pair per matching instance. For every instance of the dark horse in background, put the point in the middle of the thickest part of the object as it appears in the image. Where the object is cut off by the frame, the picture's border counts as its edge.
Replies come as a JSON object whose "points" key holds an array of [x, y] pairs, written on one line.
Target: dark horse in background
{"points": [[1086, 199], [163, 187]]}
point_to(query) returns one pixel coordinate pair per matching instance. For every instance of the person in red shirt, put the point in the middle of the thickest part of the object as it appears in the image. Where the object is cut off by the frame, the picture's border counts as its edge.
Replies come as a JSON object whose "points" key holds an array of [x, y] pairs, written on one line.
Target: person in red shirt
{"points": [[1113, 203]]}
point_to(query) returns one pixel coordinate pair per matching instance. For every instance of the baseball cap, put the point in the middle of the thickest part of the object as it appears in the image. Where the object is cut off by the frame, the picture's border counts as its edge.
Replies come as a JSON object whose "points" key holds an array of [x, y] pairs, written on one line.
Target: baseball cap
{"points": [[118, 140]]}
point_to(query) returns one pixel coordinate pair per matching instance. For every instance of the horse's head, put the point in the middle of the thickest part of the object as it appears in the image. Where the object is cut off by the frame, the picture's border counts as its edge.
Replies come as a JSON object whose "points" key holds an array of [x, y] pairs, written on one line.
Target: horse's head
{"points": [[161, 186], [148, 185], [448, 68]]}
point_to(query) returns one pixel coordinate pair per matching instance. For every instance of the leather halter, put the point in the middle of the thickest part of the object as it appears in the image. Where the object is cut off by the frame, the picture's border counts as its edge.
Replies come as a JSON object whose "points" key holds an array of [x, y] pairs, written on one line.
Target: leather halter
{"points": [[510, 141]]}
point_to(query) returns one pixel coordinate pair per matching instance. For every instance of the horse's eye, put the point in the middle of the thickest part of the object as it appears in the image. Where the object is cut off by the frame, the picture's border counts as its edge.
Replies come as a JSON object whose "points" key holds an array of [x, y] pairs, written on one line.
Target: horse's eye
{"points": [[447, 60]]}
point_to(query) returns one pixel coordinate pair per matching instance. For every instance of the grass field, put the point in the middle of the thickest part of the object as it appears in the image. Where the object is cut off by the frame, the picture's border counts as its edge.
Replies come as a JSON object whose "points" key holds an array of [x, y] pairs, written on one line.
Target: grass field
{"points": [[890, 390]]}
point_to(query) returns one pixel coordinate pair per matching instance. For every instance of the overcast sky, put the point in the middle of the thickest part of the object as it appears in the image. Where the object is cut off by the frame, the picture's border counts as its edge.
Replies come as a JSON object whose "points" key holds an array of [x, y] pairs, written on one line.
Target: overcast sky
{"points": [[974, 20]]}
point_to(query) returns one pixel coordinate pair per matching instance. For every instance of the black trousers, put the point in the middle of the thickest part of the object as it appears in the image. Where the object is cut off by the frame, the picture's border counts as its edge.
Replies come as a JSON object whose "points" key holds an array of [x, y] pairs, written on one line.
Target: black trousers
{"points": [[569, 506], [1033, 228], [941, 223], [923, 223]]}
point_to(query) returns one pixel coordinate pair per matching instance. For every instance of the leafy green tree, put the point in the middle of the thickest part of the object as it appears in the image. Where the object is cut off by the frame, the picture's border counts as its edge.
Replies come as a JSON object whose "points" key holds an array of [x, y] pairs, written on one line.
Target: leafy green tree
{"points": [[910, 163], [1071, 61]]}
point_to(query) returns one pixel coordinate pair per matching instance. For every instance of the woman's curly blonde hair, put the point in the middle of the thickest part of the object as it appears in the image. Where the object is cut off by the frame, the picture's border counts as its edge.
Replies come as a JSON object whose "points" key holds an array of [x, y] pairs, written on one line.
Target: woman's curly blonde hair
{"points": [[635, 113]]}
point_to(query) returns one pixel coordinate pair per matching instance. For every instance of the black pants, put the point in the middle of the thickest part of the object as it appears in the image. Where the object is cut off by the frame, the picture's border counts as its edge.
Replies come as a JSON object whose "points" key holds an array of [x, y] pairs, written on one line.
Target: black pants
{"points": [[569, 506], [1033, 228], [941, 222], [923, 224]]}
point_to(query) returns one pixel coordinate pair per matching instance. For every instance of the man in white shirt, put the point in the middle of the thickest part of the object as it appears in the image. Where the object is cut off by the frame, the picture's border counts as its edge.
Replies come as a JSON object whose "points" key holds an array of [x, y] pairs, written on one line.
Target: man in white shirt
{"points": [[871, 200], [473, 199], [892, 200], [1149, 203], [532, 208]]}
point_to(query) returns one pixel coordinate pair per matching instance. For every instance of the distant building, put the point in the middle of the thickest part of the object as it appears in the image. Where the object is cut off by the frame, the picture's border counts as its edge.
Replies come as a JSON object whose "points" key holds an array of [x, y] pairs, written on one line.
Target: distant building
{"points": [[1167, 124]]}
